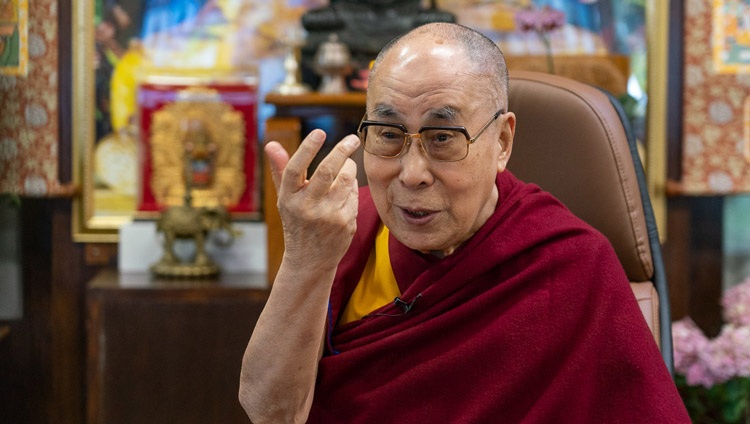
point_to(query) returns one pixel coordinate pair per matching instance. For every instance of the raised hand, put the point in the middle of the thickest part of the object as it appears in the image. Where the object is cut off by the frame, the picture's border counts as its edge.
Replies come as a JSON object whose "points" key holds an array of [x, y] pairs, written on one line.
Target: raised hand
{"points": [[318, 215]]}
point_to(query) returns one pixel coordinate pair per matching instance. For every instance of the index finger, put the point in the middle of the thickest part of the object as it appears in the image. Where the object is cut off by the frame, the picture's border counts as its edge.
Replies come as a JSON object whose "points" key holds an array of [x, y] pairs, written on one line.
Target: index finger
{"points": [[330, 167], [295, 173]]}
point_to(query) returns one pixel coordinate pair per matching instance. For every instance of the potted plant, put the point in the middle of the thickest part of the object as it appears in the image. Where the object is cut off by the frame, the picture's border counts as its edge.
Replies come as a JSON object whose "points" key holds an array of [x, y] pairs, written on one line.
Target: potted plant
{"points": [[713, 375]]}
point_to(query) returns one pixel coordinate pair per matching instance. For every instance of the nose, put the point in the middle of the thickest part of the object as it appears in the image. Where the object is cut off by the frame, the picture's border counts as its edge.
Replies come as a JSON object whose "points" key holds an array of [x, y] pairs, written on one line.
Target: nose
{"points": [[415, 165]]}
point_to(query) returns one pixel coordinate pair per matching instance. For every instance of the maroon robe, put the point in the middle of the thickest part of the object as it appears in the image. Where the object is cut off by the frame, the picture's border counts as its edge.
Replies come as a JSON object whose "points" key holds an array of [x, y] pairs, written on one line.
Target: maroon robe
{"points": [[530, 320]]}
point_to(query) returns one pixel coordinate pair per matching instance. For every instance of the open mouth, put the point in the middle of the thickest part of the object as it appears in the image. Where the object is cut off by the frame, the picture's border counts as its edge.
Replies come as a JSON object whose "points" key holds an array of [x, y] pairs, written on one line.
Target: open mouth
{"points": [[417, 214]]}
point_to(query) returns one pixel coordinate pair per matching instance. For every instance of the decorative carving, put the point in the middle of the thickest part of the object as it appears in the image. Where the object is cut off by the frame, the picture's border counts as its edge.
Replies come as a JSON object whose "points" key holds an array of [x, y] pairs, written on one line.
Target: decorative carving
{"points": [[205, 136]]}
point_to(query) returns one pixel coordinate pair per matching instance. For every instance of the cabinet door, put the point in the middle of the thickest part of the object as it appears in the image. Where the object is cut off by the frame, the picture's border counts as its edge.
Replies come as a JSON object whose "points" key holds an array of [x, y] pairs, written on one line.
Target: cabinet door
{"points": [[168, 356]]}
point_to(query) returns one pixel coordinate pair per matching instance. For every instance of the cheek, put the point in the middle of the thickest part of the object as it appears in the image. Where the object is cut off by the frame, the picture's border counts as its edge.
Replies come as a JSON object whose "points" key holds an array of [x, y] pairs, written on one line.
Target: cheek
{"points": [[472, 187], [379, 176], [478, 170], [373, 172], [380, 171]]}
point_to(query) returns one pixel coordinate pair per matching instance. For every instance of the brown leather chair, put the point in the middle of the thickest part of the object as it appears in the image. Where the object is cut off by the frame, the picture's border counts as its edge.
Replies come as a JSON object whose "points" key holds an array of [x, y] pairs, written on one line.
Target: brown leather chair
{"points": [[574, 141]]}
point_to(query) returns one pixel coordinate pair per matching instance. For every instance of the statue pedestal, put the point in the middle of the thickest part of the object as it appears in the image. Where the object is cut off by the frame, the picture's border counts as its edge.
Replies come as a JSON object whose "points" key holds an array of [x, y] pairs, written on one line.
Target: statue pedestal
{"points": [[141, 246]]}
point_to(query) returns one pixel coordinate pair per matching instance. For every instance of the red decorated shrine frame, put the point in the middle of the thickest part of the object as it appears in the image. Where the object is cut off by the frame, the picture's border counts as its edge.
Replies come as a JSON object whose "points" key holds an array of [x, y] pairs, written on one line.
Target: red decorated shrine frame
{"points": [[243, 97]]}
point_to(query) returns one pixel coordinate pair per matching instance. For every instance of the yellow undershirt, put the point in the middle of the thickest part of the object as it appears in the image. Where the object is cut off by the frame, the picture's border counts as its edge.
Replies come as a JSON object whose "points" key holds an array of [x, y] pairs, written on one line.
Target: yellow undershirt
{"points": [[377, 286]]}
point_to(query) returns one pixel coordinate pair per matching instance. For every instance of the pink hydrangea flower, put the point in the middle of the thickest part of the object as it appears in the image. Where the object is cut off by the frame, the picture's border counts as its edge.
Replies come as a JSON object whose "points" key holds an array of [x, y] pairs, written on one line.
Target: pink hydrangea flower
{"points": [[736, 303], [719, 358], [688, 342], [697, 374], [735, 341], [707, 362]]}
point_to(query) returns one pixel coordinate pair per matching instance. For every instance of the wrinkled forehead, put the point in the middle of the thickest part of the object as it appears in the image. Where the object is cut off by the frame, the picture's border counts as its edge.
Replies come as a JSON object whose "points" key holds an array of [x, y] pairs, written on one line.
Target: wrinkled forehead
{"points": [[427, 81]]}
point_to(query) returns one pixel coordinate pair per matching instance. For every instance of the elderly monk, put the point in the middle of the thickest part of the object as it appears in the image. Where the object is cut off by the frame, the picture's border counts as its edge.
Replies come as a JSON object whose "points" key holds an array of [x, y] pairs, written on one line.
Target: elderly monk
{"points": [[447, 291]]}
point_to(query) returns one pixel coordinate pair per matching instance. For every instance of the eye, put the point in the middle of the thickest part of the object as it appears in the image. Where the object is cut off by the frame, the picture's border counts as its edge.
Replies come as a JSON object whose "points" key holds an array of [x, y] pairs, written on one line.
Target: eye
{"points": [[440, 138], [444, 137], [386, 134], [390, 135]]}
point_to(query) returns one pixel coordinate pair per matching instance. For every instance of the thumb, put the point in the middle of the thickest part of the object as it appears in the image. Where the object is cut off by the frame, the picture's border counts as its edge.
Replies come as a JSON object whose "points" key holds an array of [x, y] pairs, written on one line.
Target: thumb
{"points": [[278, 157]]}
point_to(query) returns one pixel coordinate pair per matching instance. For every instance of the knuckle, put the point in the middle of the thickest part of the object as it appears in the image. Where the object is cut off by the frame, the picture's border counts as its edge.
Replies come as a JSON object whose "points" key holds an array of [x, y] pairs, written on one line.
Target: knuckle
{"points": [[325, 171], [346, 179], [292, 172]]}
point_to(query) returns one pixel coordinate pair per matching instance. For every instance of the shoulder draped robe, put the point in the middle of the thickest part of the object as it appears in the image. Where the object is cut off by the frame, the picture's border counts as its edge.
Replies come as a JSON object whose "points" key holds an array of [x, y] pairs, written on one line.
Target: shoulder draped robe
{"points": [[531, 320]]}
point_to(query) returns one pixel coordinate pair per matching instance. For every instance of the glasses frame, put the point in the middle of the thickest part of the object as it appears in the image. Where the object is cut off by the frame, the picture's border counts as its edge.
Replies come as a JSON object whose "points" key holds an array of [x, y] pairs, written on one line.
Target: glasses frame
{"points": [[364, 123]]}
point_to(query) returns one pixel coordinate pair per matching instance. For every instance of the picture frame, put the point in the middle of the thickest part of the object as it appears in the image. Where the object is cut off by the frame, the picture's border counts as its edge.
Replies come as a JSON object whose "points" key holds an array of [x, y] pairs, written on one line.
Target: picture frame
{"points": [[14, 37], [115, 167], [199, 134], [730, 44]]}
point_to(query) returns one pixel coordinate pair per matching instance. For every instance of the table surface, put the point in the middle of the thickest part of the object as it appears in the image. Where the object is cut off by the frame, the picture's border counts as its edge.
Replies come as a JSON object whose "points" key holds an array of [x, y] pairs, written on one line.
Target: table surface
{"points": [[111, 279]]}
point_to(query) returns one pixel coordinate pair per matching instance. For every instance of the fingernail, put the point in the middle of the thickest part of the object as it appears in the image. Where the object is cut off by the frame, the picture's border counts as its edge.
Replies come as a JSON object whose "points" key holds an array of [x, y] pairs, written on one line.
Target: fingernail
{"points": [[317, 136], [351, 140]]}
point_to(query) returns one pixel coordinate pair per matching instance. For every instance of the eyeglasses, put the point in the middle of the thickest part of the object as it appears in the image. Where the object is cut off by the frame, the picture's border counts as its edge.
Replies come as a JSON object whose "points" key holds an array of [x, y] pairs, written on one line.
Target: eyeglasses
{"points": [[441, 144]]}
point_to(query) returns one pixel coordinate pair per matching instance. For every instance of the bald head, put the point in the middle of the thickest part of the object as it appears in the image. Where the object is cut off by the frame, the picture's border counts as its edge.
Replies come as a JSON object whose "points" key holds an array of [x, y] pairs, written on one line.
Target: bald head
{"points": [[482, 54]]}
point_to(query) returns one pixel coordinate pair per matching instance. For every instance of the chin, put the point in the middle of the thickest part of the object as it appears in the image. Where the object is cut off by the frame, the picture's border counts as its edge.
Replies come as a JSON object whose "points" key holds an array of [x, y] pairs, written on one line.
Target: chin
{"points": [[417, 242]]}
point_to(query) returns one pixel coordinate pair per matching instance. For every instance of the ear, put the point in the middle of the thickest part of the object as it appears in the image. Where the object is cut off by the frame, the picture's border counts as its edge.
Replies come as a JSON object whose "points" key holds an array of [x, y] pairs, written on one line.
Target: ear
{"points": [[507, 133]]}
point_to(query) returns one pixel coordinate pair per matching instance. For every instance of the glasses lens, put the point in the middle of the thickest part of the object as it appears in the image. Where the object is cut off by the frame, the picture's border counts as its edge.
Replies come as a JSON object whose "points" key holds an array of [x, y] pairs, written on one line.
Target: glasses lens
{"points": [[445, 144], [383, 140]]}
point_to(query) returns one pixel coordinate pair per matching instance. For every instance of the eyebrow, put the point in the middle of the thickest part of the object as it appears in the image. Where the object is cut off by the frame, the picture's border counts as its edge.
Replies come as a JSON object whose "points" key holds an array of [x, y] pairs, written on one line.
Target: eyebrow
{"points": [[445, 113], [382, 110]]}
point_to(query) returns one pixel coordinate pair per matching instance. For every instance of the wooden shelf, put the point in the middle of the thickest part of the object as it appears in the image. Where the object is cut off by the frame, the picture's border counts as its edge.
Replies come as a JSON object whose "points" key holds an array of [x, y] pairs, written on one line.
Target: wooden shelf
{"points": [[350, 99]]}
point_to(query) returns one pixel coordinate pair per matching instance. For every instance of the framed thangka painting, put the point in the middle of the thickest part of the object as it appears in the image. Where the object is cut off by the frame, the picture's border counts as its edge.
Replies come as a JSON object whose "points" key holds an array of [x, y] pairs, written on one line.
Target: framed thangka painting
{"points": [[731, 36], [14, 46], [199, 139]]}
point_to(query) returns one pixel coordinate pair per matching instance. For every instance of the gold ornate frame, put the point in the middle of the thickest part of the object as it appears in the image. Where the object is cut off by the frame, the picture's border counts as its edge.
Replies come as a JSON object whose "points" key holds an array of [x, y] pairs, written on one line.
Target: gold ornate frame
{"points": [[87, 225], [657, 33], [91, 221], [21, 25], [90, 226], [223, 124]]}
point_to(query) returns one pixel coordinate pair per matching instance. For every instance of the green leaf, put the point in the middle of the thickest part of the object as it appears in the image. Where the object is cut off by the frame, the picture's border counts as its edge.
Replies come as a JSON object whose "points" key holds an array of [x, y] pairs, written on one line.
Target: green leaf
{"points": [[725, 403]]}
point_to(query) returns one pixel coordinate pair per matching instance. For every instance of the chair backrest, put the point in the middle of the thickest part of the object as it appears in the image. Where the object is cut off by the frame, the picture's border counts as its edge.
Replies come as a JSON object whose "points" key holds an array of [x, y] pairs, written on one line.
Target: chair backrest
{"points": [[574, 141]]}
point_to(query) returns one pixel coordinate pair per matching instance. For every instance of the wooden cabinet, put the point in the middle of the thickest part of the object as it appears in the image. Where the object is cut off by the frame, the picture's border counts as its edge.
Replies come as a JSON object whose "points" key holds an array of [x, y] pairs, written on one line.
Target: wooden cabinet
{"points": [[168, 351]]}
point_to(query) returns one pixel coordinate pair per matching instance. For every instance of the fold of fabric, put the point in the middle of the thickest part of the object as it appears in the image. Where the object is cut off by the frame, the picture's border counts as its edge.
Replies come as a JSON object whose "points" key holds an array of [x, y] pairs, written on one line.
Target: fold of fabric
{"points": [[531, 320]]}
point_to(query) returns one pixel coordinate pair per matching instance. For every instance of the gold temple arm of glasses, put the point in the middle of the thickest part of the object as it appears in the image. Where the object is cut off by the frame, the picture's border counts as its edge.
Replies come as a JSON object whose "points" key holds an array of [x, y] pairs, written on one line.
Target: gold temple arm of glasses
{"points": [[498, 113]]}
